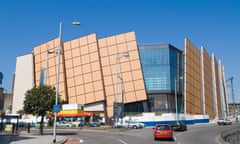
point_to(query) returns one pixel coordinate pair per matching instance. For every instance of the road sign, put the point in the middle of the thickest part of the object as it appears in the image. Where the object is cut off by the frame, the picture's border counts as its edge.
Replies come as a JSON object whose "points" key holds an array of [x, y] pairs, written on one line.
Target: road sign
{"points": [[117, 110], [56, 108]]}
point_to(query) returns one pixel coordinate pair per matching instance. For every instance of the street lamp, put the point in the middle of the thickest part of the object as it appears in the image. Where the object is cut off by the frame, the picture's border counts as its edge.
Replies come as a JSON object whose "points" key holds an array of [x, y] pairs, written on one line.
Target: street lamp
{"points": [[46, 73], [176, 100], [56, 107], [122, 105], [126, 54]]}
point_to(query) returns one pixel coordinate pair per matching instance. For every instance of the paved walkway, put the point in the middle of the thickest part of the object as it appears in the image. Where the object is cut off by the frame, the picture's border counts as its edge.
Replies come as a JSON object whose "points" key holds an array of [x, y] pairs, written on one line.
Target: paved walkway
{"points": [[37, 139], [28, 138]]}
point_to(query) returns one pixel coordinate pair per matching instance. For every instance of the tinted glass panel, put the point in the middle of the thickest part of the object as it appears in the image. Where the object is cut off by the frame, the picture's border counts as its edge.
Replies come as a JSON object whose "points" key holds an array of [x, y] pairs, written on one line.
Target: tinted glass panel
{"points": [[156, 68]]}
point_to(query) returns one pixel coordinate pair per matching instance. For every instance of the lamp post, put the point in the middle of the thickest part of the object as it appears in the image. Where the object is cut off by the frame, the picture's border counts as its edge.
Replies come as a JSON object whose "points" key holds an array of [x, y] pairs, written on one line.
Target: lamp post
{"points": [[56, 106], [176, 99], [116, 115], [122, 105], [46, 73]]}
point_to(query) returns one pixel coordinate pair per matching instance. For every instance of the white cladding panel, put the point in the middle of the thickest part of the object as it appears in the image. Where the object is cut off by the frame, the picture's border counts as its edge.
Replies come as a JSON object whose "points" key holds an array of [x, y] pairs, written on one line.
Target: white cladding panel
{"points": [[94, 107], [24, 80], [72, 107]]}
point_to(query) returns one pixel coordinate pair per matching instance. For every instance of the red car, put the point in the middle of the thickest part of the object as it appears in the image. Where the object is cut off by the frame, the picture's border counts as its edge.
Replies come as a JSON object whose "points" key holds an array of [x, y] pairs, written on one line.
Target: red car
{"points": [[163, 131]]}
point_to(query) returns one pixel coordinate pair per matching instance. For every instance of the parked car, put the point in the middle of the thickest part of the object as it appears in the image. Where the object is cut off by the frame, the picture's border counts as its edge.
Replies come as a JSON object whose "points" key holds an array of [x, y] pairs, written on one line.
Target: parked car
{"points": [[131, 124], [134, 124], [178, 126], [94, 124], [163, 131], [63, 124], [81, 124], [224, 121]]}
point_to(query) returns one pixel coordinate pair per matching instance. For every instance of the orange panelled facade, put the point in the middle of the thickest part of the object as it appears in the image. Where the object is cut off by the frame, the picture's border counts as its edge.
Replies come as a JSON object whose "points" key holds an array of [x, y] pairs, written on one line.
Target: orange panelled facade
{"points": [[202, 92], [83, 73], [41, 58], [192, 74], [207, 88], [88, 69], [129, 69]]}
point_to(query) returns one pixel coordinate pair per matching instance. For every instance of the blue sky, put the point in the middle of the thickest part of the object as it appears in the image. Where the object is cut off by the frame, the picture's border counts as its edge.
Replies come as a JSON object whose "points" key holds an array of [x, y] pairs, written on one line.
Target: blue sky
{"points": [[214, 24]]}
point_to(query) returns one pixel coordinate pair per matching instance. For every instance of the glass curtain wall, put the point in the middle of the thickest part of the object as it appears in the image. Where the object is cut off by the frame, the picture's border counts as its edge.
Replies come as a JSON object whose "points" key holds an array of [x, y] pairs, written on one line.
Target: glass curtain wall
{"points": [[156, 69], [160, 64]]}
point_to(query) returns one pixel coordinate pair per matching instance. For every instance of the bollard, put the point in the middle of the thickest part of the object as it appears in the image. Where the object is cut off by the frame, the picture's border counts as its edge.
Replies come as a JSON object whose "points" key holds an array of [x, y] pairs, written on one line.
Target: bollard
{"points": [[28, 127], [13, 128]]}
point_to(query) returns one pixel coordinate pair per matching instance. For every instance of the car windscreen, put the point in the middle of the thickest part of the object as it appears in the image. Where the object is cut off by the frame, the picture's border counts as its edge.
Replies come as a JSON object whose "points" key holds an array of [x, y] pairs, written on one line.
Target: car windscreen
{"points": [[163, 127]]}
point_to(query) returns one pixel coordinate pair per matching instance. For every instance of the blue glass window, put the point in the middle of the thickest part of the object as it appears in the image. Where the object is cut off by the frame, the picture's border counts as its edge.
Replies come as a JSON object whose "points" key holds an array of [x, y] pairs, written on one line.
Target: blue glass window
{"points": [[160, 67], [155, 64]]}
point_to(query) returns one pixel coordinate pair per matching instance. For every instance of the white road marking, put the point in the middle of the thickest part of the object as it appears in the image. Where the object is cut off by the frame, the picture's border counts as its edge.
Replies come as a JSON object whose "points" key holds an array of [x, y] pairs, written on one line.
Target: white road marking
{"points": [[121, 141], [81, 141], [176, 139]]}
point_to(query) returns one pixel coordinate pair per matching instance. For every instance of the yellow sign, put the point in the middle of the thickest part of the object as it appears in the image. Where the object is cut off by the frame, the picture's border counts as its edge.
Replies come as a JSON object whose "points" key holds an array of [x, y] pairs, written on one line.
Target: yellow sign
{"points": [[8, 127], [71, 112]]}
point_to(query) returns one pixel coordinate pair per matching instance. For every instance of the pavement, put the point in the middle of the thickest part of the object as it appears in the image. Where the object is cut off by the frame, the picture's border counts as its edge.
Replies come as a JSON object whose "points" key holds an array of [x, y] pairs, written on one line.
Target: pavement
{"points": [[35, 139], [47, 138], [31, 138]]}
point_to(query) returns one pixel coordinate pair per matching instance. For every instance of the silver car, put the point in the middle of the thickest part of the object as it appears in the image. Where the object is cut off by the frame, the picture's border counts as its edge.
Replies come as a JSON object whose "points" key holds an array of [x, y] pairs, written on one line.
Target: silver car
{"points": [[135, 125], [131, 124], [224, 121], [63, 124]]}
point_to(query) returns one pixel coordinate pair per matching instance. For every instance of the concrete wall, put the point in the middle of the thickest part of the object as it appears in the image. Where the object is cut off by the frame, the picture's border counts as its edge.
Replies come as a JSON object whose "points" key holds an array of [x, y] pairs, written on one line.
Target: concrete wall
{"points": [[151, 119], [24, 80]]}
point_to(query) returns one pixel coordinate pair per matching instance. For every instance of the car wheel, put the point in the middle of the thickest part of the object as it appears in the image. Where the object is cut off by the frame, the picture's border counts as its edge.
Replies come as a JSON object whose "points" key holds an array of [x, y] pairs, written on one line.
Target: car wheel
{"points": [[135, 127]]}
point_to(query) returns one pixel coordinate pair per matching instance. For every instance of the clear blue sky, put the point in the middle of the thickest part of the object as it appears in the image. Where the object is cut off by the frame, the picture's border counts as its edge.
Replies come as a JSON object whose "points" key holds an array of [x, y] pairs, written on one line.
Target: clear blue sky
{"points": [[214, 24]]}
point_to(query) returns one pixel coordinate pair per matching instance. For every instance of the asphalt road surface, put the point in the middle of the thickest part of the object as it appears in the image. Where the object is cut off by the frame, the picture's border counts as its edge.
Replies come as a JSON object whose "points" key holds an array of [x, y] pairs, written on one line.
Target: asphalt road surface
{"points": [[196, 134]]}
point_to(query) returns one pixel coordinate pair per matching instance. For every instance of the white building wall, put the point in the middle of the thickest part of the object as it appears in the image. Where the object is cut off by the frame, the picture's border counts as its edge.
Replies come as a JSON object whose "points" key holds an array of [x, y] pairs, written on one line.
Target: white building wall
{"points": [[216, 112], [203, 103], [24, 80], [94, 107], [225, 90]]}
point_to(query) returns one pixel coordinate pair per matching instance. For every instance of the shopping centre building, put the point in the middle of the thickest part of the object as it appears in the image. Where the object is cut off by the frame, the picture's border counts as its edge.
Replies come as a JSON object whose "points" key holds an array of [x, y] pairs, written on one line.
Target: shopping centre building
{"points": [[98, 72]]}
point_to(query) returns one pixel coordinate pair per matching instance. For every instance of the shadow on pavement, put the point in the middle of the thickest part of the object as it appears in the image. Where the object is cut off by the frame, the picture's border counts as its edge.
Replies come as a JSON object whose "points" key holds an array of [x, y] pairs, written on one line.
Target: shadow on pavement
{"points": [[17, 138], [6, 139], [57, 133]]}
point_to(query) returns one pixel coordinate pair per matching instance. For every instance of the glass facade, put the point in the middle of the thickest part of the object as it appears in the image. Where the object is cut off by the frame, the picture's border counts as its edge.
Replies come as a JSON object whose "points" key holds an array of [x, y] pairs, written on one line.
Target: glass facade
{"points": [[162, 67], [156, 69]]}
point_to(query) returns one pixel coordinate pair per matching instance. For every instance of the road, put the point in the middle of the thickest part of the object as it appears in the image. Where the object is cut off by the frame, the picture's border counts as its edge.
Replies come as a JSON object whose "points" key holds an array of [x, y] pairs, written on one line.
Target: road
{"points": [[5, 139], [202, 134], [197, 134]]}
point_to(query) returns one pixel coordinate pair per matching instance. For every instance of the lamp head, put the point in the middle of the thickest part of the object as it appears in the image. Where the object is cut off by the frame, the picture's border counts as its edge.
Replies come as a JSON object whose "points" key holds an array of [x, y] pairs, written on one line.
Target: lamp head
{"points": [[76, 23], [126, 54]]}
